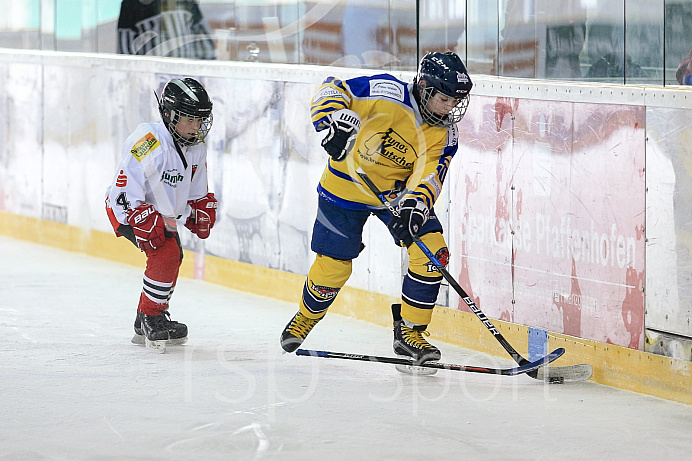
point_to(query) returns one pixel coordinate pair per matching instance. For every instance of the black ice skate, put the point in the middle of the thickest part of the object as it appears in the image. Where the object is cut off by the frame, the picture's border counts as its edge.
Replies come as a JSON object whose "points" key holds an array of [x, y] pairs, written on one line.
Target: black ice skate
{"points": [[410, 343], [157, 331], [296, 331]]}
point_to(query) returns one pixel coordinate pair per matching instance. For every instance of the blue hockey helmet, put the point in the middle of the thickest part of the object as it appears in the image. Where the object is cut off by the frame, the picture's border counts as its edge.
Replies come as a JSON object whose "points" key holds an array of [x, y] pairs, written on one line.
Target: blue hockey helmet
{"points": [[447, 74]]}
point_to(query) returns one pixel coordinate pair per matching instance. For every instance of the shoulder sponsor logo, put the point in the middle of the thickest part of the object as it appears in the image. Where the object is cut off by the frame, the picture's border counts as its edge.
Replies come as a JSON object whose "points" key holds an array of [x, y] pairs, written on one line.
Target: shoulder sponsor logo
{"points": [[387, 88], [145, 145]]}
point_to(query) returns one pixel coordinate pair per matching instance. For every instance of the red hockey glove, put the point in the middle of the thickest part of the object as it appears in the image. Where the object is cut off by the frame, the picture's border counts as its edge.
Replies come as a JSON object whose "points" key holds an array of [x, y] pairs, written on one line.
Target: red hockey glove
{"points": [[203, 215], [148, 226]]}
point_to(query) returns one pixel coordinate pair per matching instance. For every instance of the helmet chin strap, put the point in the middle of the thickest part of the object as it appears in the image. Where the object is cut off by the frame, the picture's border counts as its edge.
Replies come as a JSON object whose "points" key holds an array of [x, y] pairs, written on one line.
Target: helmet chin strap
{"points": [[180, 153]]}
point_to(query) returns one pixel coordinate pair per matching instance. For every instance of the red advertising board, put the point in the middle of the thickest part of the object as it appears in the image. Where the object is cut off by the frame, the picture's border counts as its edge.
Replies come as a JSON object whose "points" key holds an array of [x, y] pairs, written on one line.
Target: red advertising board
{"points": [[547, 216]]}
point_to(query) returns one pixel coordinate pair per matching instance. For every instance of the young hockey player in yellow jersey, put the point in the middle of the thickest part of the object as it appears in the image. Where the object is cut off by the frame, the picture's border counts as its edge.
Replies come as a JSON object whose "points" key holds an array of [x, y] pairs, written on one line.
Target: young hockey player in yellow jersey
{"points": [[403, 136]]}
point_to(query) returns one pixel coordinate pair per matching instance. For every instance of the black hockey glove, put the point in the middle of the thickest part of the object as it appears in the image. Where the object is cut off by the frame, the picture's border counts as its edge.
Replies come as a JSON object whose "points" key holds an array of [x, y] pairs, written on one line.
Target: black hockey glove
{"points": [[342, 134], [412, 215]]}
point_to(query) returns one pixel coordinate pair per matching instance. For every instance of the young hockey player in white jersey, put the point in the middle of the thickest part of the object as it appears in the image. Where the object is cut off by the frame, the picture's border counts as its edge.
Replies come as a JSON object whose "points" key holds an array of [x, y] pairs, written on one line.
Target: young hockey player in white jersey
{"points": [[162, 177], [403, 136]]}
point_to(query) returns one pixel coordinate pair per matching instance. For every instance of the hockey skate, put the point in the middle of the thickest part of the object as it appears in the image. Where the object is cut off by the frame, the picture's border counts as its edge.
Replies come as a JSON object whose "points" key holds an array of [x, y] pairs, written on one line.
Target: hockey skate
{"points": [[296, 331], [158, 331], [410, 343]]}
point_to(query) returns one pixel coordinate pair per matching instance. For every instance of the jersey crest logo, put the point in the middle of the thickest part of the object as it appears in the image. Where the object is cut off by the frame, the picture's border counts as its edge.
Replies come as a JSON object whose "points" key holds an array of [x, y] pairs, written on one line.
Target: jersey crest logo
{"points": [[145, 145], [171, 177], [391, 146]]}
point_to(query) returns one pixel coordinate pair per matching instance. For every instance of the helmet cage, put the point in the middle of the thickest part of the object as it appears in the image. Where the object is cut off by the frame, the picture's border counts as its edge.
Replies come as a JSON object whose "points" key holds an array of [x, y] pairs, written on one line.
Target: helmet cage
{"points": [[186, 98], [425, 94], [199, 136]]}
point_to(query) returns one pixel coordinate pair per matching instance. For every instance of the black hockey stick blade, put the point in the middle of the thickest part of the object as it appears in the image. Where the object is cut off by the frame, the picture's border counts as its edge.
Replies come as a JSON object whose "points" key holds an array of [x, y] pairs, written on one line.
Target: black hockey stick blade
{"points": [[530, 366], [568, 374]]}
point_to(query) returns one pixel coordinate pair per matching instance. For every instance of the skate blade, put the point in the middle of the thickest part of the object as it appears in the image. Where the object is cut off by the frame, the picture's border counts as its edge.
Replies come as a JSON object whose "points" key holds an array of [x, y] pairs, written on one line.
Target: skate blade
{"points": [[158, 346], [414, 370], [141, 341]]}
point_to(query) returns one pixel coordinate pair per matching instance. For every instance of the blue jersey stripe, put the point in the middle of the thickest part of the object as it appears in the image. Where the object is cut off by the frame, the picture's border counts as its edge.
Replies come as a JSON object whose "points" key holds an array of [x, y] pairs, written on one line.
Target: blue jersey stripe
{"points": [[339, 173], [343, 203]]}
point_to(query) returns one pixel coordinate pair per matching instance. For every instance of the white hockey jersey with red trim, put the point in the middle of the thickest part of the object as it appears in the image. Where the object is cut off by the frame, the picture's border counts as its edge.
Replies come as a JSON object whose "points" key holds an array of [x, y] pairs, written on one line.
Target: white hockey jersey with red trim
{"points": [[151, 170]]}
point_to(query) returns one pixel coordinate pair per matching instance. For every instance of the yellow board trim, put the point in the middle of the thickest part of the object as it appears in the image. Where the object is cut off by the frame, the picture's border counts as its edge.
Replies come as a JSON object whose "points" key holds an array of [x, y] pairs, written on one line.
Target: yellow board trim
{"points": [[615, 366]]}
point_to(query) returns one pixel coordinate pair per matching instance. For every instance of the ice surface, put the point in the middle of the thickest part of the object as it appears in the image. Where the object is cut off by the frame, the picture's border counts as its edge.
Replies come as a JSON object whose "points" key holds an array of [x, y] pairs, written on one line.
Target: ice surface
{"points": [[73, 387]]}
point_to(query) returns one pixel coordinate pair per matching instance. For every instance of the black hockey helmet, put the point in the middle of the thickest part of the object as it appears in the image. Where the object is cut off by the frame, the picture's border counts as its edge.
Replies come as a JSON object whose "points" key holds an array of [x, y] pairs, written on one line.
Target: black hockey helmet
{"points": [[186, 97], [446, 73]]}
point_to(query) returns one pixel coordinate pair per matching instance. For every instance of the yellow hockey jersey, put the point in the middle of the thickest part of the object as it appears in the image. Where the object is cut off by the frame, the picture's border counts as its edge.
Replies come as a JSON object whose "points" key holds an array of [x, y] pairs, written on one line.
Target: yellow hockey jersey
{"points": [[396, 149]]}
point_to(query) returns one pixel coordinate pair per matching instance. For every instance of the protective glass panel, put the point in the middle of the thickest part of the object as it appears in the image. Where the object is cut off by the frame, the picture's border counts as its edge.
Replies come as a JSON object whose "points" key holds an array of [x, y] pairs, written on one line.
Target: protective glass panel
{"points": [[678, 42], [605, 47], [363, 34], [221, 17], [541, 39], [266, 31], [19, 24], [481, 37], [75, 25], [321, 29], [402, 36], [442, 26], [174, 28], [644, 42]]}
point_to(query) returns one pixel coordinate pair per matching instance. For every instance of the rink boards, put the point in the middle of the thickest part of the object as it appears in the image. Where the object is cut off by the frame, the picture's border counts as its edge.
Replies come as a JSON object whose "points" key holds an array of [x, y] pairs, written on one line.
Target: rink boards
{"points": [[565, 209]]}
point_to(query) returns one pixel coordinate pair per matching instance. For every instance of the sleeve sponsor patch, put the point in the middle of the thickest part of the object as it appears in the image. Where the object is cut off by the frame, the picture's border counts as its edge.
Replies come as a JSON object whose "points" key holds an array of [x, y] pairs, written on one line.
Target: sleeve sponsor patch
{"points": [[328, 92], [143, 146], [434, 183], [121, 181], [452, 135], [387, 88]]}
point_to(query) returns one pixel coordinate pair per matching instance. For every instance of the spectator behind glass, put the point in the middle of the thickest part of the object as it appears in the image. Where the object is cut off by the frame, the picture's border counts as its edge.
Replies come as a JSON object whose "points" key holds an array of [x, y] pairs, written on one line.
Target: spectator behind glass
{"points": [[684, 72], [542, 39], [171, 28]]}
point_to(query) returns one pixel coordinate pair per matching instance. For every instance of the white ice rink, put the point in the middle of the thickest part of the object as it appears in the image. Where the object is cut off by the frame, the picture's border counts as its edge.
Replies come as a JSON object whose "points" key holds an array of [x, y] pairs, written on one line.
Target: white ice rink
{"points": [[73, 387]]}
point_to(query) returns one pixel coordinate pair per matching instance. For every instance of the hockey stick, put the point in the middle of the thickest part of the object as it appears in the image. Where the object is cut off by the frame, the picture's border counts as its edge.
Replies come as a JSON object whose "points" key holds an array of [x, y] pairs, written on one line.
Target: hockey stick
{"points": [[526, 368], [580, 372]]}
